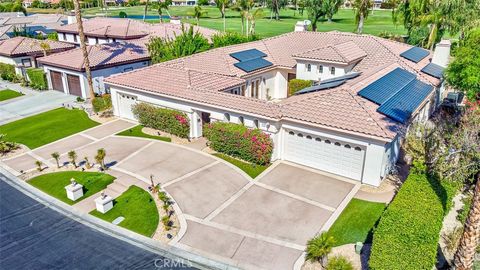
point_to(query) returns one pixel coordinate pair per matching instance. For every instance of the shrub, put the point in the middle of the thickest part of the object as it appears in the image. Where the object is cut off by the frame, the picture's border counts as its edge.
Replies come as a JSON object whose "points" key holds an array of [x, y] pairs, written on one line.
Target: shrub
{"points": [[37, 78], [6, 146], [297, 84], [102, 103], [408, 232], [122, 14], [231, 38], [319, 247], [7, 72], [339, 263], [463, 212], [236, 140], [171, 121]]}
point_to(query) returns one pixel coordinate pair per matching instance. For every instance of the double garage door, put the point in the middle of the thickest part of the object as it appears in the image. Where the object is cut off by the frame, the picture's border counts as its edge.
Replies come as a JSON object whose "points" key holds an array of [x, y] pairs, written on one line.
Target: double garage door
{"points": [[73, 83], [324, 153]]}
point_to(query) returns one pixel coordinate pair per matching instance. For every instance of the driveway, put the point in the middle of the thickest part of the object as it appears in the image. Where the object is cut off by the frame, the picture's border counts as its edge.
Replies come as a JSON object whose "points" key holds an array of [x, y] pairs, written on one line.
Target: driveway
{"points": [[256, 224]]}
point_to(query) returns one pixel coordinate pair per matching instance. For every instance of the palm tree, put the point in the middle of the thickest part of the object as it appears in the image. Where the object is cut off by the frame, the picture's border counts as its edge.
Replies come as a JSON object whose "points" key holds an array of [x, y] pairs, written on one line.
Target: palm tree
{"points": [[319, 247], [464, 256], [56, 156], [221, 4], [145, 10], [163, 5], [100, 157], [362, 9], [83, 46], [257, 14], [72, 155], [45, 47], [39, 165], [198, 12]]}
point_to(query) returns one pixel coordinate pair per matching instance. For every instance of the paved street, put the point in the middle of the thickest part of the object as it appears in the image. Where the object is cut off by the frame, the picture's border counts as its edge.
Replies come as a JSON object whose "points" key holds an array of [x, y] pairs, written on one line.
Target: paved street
{"points": [[34, 236]]}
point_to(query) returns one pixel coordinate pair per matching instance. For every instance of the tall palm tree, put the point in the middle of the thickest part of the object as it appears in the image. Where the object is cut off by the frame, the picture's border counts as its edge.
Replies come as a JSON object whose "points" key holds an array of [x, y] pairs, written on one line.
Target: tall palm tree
{"points": [[362, 9], [198, 12], [100, 157], [83, 46], [145, 10], [464, 256], [161, 6], [257, 14], [221, 5]]}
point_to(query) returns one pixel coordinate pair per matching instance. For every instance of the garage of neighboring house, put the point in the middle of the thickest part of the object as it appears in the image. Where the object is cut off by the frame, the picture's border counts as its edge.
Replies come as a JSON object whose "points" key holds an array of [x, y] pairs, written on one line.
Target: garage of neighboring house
{"points": [[323, 153], [57, 82], [73, 82]]}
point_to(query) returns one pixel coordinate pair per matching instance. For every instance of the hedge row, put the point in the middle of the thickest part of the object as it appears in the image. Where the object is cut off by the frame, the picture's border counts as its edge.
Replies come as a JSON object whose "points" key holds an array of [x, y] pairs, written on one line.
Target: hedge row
{"points": [[171, 121], [236, 140], [102, 103], [7, 72], [38, 79], [408, 232], [297, 84]]}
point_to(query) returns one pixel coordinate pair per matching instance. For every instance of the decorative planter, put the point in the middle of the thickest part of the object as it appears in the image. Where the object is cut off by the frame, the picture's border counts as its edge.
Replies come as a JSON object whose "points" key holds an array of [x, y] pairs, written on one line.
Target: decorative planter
{"points": [[104, 203], [74, 190]]}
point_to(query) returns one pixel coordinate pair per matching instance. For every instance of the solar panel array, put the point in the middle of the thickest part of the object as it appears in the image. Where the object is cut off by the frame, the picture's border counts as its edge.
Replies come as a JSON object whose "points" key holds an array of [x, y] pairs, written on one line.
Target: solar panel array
{"points": [[415, 54], [250, 60], [248, 55], [254, 64], [433, 70], [398, 93], [384, 88], [321, 86], [347, 76]]}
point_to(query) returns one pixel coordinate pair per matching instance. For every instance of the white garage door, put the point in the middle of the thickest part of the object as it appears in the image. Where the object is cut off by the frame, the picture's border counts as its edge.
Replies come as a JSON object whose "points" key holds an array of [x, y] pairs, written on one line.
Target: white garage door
{"points": [[125, 103], [325, 154]]}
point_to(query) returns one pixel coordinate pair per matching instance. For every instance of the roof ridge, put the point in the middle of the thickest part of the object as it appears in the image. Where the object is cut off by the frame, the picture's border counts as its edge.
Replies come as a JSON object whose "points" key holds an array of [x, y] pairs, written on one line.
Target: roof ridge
{"points": [[339, 53], [18, 44]]}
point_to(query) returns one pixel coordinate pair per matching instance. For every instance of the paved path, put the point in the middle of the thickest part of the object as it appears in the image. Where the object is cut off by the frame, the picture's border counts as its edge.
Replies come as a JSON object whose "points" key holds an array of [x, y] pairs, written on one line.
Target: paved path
{"points": [[33, 102], [223, 213]]}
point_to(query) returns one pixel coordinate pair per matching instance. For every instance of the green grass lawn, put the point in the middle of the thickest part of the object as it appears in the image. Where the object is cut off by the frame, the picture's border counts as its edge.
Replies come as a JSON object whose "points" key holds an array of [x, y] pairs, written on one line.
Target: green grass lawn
{"points": [[9, 94], [377, 22], [137, 207], [54, 183], [356, 222], [47, 127], [137, 132], [252, 170]]}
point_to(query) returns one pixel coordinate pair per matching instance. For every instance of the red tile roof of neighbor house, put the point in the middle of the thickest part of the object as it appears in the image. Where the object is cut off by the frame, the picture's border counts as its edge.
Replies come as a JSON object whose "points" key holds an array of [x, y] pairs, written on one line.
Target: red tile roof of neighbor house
{"points": [[339, 108], [130, 29], [100, 56], [21, 46]]}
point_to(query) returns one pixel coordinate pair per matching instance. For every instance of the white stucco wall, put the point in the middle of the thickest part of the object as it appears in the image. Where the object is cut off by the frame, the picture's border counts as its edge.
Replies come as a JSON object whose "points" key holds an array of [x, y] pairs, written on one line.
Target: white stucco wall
{"points": [[17, 62], [90, 40], [315, 75]]}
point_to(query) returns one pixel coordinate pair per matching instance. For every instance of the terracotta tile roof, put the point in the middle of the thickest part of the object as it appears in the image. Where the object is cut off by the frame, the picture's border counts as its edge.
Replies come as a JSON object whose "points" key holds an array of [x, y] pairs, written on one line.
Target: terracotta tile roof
{"points": [[339, 108], [20, 46], [346, 52], [100, 56]]}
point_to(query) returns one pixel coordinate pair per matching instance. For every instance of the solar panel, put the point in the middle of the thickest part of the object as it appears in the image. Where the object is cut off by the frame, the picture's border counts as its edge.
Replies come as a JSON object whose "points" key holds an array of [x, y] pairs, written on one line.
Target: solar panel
{"points": [[433, 70], [247, 55], [347, 76], [384, 88], [253, 64], [401, 106], [319, 87], [415, 54]]}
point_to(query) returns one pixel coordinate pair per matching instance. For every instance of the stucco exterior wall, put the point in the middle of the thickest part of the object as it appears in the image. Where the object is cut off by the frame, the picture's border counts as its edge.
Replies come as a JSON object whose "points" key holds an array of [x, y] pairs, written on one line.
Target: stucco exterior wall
{"points": [[315, 75]]}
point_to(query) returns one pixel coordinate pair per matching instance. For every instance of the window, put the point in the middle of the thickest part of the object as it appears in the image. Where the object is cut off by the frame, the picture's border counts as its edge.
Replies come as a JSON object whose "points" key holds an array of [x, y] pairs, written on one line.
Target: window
{"points": [[291, 133], [114, 40], [75, 38], [309, 67], [96, 40], [358, 149], [332, 70], [328, 142], [318, 139], [64, 37], [256, 88], [347, 146], [227, 117], [240, 120], [128, 69], [300, 135], [309, 137], [255, 123], [242, 90], [27, 62], [337, 144], [320, 69]]}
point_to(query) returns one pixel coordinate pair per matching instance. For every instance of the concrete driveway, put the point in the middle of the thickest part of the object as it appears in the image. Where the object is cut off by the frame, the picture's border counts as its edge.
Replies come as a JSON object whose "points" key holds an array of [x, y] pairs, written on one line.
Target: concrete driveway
{"points": [[224, 214]]}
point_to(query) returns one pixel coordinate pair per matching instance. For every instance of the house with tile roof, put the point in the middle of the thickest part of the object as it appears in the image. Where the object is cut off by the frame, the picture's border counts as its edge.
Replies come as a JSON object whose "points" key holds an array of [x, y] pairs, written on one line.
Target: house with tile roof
{"points": [[23, 52], [366, 90], [34, 24]]}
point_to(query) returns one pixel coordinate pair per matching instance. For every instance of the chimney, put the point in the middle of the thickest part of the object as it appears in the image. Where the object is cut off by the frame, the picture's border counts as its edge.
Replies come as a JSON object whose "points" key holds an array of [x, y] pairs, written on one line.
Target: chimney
{"points": [[301, 26], [71, 17], [441, 54]]}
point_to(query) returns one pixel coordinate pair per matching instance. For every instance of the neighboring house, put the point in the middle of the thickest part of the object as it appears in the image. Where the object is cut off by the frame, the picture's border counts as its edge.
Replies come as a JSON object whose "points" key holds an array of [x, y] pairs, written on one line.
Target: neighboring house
{"points": [[22, 52], [367, 91], [35, 24], [184, 2], [66, 71], [6, 32], [106, 30]]}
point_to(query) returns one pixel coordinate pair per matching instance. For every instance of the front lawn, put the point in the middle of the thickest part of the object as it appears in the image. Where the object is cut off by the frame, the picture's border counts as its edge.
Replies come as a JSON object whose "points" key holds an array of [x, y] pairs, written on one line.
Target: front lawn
{"points": [[137, 132], [137, 207], [9, 94], [47, 127], [253, 170], [356, 222], [54, 183]]}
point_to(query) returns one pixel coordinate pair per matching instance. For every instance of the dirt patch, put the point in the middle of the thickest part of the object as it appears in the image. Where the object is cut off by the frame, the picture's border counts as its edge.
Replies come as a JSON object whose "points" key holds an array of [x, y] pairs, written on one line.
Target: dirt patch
{"points": [[22, 149]]}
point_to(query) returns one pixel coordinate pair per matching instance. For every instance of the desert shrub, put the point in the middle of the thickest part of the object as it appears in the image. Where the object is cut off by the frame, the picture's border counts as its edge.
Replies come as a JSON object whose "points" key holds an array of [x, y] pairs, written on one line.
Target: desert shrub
{"points": [[102, 103], [236, 140], [38, 79], [6, 146], [339, 263], [319, 247], [297, 84], [171, 121], [408, 232], [7, 73]]}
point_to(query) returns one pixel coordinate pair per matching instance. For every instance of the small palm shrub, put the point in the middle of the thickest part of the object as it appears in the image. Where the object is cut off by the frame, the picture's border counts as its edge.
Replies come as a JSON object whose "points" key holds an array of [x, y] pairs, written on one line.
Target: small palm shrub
{"points": [[319, 247], [100, 158], [72, 155], [339, 263], [56, 156]]}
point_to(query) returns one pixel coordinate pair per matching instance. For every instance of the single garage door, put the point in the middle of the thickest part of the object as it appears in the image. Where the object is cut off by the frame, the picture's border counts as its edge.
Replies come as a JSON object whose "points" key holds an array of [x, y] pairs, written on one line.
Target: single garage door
{"points": [[125, 103], [74, 87], [56, 79], [326, 154]]}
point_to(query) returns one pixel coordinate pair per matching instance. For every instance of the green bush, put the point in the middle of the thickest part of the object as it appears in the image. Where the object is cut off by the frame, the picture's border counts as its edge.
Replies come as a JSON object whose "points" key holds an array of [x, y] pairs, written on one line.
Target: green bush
{"points": [[171, 121], [297, 84], [102, 103], [408, 232], [122, 14], [236, 140], [339, 263], [231, 38], [7, 73], [38, 79]]}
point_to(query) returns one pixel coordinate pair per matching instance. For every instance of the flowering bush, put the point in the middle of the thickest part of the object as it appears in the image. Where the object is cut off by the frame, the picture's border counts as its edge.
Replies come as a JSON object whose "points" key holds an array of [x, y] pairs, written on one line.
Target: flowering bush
{"points": [[171, 121], [239, 141]]}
